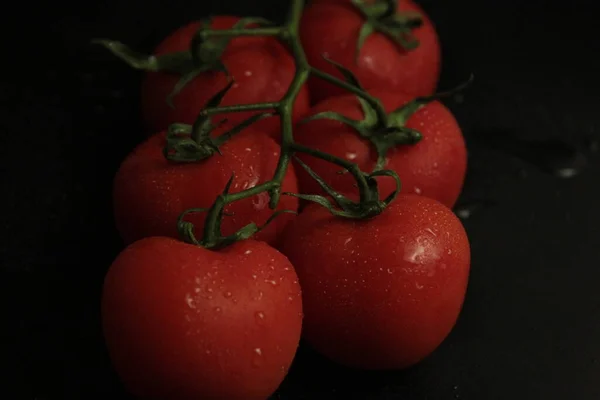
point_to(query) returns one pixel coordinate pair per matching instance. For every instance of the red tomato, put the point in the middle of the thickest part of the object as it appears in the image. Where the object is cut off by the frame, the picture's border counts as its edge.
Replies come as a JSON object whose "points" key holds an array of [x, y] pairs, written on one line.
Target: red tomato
{"points": [[381, 293], [150, 192], [434, 167], [261, 67], [183, 322], [331, 28]]}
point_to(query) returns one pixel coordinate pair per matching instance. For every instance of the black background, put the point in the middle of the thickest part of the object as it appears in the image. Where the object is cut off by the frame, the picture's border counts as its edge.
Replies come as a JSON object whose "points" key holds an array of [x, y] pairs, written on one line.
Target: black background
{"points": [[530, 328]]}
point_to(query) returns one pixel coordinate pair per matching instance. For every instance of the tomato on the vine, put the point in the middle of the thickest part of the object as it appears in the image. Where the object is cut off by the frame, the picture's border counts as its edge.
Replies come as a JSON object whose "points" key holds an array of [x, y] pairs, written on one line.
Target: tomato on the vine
{"points": [[381, 293], [331, 28], [434, 167], [183, 322], [261, 67], [151, 192]]}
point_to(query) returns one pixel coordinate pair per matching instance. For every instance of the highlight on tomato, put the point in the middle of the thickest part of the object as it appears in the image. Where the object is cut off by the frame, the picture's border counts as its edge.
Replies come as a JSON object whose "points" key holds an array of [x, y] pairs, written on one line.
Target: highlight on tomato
{"points": [[384, 292], [184, 322]]}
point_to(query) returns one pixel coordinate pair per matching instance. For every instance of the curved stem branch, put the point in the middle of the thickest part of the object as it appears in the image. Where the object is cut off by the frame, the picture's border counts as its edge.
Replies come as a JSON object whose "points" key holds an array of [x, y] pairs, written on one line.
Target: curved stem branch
{"points": [[373, 101], [289, 35]]}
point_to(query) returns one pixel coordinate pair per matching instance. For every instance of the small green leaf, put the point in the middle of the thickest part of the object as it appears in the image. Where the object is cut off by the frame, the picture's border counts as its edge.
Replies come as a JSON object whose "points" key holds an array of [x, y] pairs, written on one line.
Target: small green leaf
{"points": [[216, 99], [229, 183], [391, 174], [346, 73], [365, 31], [244, 22], [371, 119], [392, 6], [180, 147], [178, 62], [133, 58], [340, 199], [323, 201], [186, 229], [405, 19], [333, 116], [181, 83], [224, 137], [402, 114], [275, 215], [403, 37], [179, 129]]}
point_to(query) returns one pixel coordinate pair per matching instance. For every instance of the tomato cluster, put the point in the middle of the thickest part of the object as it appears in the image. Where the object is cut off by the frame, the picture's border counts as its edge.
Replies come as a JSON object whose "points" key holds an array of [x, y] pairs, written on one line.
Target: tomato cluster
{"points": [[184, 319]]}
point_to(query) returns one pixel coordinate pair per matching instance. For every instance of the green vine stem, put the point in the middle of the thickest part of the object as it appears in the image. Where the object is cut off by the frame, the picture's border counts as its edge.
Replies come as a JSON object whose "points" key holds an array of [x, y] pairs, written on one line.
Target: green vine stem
{"points": [[194, 143], [369, 204]]}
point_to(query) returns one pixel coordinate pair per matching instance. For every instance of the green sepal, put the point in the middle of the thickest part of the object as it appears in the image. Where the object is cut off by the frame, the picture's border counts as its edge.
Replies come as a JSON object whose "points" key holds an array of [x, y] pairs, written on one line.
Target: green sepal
{"points": [[382, 16], [400, 116], [186, 229], [349, 209], [180, 147], [348, 75]]}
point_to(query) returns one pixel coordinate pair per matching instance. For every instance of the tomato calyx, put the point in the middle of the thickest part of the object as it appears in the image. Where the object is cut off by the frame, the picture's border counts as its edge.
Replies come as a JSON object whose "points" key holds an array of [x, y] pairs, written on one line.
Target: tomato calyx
{"points": [[387, 131], [369, 204], [212, 236], [381, 16], [204, 54], [191, 143]]}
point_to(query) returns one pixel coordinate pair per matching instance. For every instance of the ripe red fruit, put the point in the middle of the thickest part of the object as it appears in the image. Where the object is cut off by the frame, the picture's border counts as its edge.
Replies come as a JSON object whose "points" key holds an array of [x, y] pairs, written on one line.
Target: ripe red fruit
{"points": [[261, 67], [182, 322], [381, 293], [331, 28], [151, 192], [434, 167]]}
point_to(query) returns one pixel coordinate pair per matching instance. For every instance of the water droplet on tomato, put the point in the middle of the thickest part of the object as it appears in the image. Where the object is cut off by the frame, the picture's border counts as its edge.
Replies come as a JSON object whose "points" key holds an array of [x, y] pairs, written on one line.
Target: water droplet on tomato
{"points": [[350, 156], [418, 286], [271, 282], [190, 301], [209, 290], [248, 252], [253, 276], [207, 352], [257, 359], [227, 295], [217, 310], [260, 317], [449, 251], [417, 190], [197, 290], [259, 296], [390, 271], [248, 73]]}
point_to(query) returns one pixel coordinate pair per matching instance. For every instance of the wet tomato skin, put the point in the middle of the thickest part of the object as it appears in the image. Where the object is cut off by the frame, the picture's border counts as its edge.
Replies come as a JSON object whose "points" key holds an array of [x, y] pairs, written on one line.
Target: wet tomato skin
{"points": [[150, 192], [182, 322], [331, 28], [381, 293], [435, 167], [261, 67]]}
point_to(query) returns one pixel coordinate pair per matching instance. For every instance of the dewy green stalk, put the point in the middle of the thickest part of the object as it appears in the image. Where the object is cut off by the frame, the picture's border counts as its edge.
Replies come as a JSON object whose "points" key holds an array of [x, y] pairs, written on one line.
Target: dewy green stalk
{"points": [[193, 143]]}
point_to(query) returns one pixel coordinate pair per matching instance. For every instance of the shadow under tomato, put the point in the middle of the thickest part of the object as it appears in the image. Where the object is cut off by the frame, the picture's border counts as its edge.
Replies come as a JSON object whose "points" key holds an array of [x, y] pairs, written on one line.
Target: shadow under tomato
{"points": [[314, 376]]}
